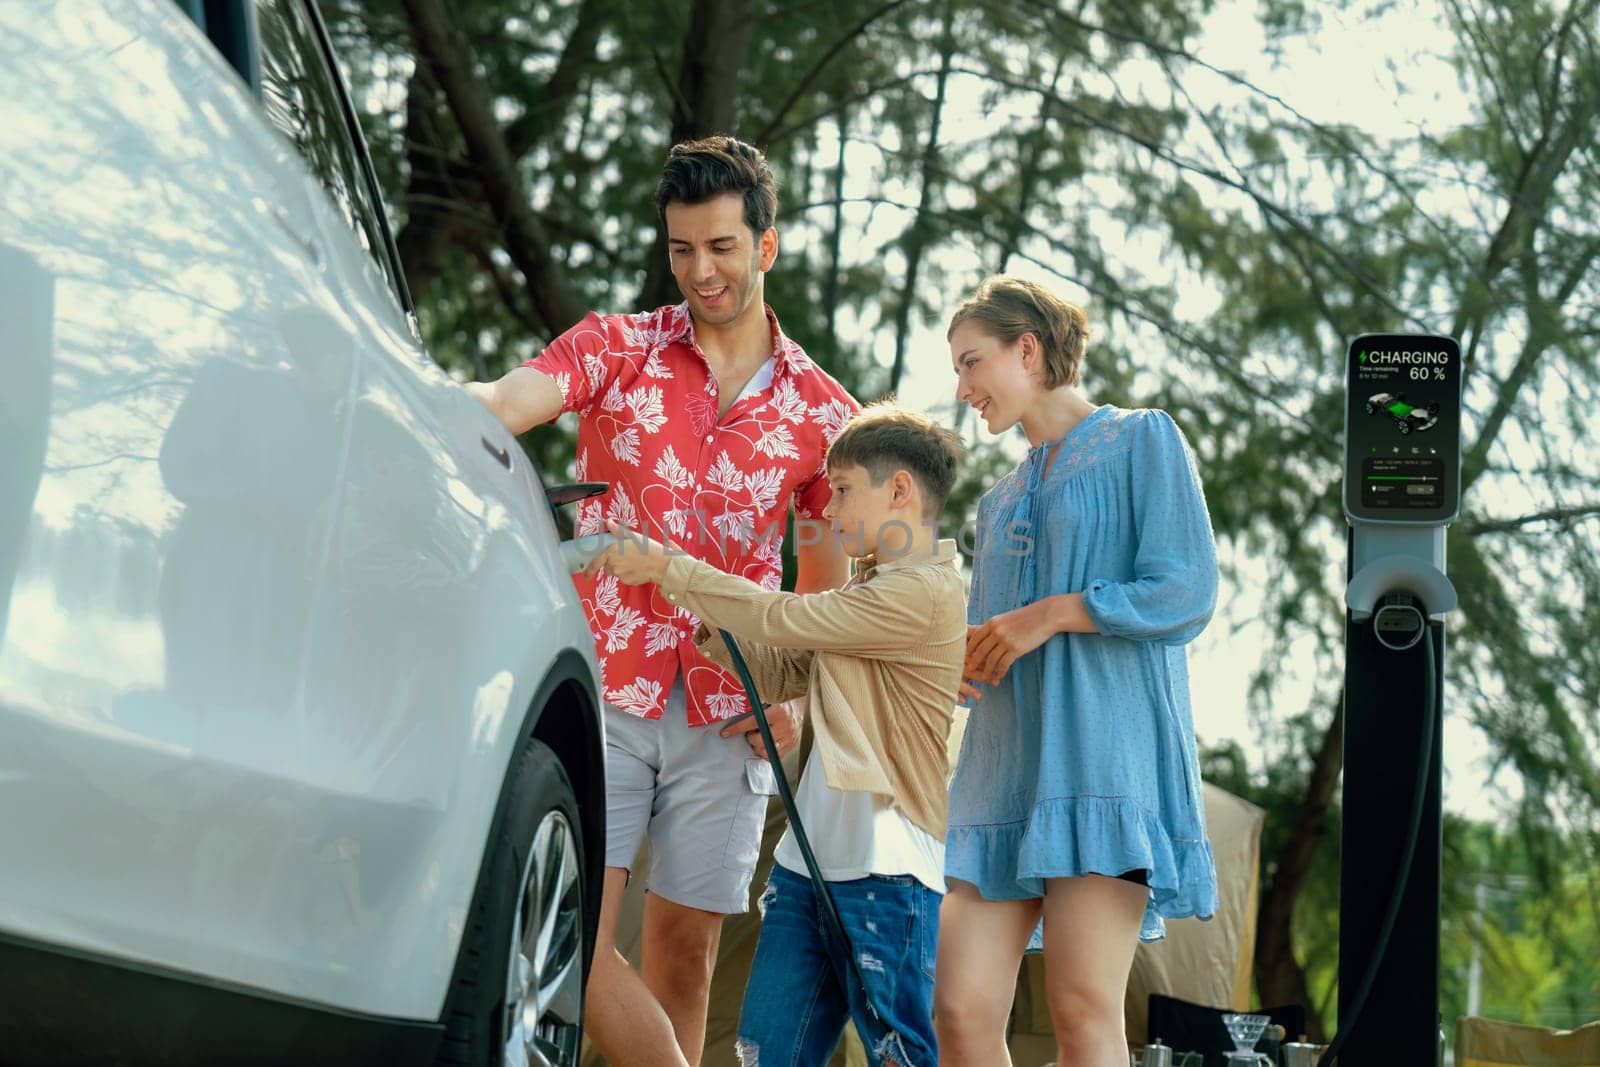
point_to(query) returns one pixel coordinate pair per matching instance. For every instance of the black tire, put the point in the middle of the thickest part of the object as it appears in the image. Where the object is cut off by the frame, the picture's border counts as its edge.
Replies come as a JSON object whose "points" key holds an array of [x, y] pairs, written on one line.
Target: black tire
{"points": [[1405, 427], [477, 1017]]}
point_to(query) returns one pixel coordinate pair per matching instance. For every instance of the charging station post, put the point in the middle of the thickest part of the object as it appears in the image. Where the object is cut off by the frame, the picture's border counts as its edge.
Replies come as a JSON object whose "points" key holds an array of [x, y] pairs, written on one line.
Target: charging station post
{"points": [[1402, 488]]}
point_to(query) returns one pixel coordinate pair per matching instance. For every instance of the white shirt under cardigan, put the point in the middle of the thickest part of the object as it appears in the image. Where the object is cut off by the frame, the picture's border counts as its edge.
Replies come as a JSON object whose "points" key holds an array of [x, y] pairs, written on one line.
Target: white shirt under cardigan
{"points": [[854, 834]]}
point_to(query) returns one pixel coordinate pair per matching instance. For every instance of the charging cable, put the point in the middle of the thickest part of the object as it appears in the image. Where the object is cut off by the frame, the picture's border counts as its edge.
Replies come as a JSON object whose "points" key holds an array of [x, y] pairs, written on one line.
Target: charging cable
{"points": [[830, 911], [1398, 625]]}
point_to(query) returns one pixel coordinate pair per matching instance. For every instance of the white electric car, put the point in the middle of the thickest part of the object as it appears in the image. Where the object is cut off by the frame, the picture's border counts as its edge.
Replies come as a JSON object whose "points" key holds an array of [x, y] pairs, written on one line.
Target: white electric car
{"points": [[300, 760]]}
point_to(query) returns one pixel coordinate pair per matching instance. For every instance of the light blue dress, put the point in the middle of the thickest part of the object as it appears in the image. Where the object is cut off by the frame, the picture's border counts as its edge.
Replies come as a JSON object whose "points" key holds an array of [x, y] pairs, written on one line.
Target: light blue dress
{"points": [[1082, 760]]}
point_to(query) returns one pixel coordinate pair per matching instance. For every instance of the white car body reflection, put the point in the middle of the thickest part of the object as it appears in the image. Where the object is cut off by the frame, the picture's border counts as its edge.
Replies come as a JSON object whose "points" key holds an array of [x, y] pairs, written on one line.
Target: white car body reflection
{"points": [[279, 603]]}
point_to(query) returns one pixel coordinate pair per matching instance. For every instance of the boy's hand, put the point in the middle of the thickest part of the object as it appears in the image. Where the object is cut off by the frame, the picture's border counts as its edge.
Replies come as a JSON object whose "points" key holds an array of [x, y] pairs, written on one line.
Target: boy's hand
{"points": [[633, 559], [970, 669], [969, 693]]}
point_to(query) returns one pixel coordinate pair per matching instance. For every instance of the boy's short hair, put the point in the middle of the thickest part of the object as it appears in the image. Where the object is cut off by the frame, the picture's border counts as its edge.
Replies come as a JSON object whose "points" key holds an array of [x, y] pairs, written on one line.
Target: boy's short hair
{"points": [[698, 171], [883, 438]]}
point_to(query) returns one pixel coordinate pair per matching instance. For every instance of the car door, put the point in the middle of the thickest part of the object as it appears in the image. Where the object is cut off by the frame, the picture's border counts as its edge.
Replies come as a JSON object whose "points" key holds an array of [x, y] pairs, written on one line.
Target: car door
{"points": [[184, 384], [443, 604]]}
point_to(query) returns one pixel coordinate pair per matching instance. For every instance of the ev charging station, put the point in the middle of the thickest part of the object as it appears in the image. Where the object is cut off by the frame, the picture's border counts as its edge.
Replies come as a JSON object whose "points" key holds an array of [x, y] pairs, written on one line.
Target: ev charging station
{"points": [[1402, 488]]}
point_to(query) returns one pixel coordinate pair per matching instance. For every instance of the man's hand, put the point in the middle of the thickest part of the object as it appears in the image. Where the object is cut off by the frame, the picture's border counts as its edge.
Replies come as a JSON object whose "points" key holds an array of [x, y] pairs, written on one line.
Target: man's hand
{"points": [[784, 719], [994, 646], [634, 559]]}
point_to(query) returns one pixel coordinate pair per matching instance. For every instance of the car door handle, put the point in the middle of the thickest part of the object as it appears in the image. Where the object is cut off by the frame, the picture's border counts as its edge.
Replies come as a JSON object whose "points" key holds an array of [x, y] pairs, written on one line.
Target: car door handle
{"points": [[567, 494], [501, 454]]}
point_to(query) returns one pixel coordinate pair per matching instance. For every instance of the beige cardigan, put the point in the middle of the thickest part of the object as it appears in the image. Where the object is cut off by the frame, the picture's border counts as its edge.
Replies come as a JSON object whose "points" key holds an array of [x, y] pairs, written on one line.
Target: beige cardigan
{"points": [[880, 661]]}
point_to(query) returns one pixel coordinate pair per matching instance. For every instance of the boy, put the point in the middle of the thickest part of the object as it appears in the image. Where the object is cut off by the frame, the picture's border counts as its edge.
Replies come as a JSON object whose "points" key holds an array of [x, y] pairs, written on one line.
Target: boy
{"points": [[880, 661]]}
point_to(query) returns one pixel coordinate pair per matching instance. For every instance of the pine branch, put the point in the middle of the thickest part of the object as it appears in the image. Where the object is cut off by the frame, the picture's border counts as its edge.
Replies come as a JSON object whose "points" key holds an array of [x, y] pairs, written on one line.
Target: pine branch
{"points": [[763, 136], [1534, 346], [1267, 205], [1564, 516], [840, 105], [1164, 51], [1113, 293], [1028, 170], [1528, 199]]}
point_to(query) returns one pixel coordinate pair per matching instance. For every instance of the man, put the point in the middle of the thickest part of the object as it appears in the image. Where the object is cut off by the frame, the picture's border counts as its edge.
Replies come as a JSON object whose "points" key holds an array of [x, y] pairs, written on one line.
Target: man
{"points": [[707, 421]]}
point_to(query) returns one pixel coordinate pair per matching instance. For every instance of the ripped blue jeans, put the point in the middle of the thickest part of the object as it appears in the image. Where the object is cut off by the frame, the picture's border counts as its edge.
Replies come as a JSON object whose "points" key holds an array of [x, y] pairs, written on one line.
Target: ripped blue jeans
{"points": [[801, 992]]}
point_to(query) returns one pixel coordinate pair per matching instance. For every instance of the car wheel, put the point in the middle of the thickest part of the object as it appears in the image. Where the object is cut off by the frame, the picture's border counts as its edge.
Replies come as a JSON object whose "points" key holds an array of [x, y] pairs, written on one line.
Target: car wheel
{"points": [[518, 994], [1405, 427]]}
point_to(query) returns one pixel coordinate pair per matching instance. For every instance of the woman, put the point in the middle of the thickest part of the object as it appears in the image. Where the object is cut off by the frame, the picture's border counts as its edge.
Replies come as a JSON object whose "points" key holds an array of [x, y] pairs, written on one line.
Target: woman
{"points": [[1076, 798]]}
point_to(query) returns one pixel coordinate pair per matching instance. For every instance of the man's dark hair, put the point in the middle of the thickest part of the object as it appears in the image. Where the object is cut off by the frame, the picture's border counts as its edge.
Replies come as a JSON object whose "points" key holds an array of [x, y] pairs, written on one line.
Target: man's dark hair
{"points": [[698, 171], [884, 438]]}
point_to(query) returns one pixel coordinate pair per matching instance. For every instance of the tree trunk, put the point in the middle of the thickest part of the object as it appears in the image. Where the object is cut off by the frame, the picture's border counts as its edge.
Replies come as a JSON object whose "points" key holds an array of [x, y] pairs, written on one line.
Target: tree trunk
{"points": [[441, 191], [434, 204], [541, 122], [1028, 173], [916, 234], [1280, 979], [830, 294], [442, 47], [705, 103]]}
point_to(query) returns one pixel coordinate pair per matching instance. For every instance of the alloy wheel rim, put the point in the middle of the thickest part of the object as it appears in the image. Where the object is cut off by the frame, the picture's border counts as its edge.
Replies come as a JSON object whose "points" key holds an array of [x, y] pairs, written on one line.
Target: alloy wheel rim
{"points": [[544, 973]]}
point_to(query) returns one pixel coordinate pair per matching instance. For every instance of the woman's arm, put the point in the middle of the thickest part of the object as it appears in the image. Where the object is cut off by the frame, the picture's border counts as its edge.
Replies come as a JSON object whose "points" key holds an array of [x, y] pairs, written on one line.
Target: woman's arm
{"points": [[994, 645], [1173, 591]]}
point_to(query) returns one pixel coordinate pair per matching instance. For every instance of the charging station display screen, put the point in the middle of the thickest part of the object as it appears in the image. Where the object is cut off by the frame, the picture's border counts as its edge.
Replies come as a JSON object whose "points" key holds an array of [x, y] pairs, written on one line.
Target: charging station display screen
{"points": [[1403, 429]]}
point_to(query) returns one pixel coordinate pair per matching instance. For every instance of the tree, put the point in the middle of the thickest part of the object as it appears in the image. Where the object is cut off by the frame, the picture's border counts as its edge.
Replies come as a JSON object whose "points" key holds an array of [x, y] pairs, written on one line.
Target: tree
{"points": [[1227, 243], [1512, 279]]}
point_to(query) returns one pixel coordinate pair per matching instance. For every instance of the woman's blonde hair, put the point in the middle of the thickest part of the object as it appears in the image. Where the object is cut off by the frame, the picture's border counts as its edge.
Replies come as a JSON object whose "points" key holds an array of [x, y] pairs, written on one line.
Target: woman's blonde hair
{"points": [[1006, 308]]}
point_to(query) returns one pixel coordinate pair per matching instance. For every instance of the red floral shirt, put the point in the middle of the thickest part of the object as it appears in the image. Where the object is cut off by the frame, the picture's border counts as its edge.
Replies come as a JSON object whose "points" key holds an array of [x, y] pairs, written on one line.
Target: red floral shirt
{"points": [[647, 402]]}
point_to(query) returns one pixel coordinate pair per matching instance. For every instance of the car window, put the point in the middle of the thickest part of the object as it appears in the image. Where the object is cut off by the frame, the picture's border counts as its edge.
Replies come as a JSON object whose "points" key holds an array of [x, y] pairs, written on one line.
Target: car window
{"points": [[302, 100]]}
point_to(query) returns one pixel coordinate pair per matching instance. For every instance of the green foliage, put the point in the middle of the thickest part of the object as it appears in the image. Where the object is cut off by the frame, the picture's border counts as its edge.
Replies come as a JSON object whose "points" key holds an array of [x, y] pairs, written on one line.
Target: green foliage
{"points": [[1528, 916], [1227, 246]]}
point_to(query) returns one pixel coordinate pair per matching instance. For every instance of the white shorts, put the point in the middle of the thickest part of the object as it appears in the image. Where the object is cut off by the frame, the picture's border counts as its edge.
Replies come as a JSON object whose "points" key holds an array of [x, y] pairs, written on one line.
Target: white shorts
{"points": [[701, 798]]}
